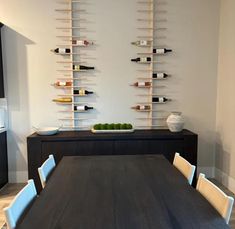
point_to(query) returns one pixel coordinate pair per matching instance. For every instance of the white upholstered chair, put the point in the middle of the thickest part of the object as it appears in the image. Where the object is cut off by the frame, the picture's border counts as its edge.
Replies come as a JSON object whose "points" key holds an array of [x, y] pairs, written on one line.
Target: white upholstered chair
{"points": [[46, 169], [21, 201], [217, 198], [184, 167]]}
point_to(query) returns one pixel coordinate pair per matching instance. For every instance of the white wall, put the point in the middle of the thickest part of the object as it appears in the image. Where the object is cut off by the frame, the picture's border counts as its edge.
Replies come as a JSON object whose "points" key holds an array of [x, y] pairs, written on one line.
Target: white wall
{"points": [[30, 68], [225, 125]]}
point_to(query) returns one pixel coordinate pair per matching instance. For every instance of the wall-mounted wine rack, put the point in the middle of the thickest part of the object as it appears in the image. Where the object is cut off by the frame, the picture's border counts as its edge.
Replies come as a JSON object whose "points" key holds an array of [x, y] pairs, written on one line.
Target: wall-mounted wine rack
{"points": [[151, 21], [73, 81]]}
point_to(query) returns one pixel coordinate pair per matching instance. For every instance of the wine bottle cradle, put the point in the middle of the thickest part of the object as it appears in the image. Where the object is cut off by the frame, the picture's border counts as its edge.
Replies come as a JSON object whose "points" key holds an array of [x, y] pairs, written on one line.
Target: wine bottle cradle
{"points": [[154, 29], [73, 111], [148, 103], [71, 19], [69, 62], [150, 53], [68, 87], [73, 36], [147, 95], [72, 79], [71, 70], [66, 45], [152, 11], [151, 20], [67, 28], [149, 62], [147, 78], [71, 103], [73, 95], [69, 1], [149, 70], [153, 118], [145, 2], [69, 10], [143, 110], [69, 54], [151, 37], [151, 2], [76, 119], [159, 86]]}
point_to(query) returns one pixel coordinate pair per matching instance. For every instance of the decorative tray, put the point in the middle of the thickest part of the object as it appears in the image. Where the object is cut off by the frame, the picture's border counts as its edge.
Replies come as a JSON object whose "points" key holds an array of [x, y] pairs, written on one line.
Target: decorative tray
{"points": [[112, 131]]}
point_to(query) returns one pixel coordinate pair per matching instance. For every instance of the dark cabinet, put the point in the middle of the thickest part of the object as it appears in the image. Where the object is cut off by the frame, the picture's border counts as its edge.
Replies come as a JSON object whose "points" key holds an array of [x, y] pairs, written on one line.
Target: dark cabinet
{"points": [[1, 66], [3, 160], [80, 143]]}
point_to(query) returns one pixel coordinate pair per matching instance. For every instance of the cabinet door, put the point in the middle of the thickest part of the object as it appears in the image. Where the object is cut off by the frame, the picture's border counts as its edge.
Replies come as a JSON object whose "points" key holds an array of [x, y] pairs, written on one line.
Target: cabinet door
{"points": [[130, 147], [76, 148], [165, 147], [3, 160]]}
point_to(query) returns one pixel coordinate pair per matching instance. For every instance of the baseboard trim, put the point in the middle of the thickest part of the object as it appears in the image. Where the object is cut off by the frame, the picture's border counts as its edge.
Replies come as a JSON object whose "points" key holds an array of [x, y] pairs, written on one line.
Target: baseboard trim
{"points": [[225, 179], [18, 176], [208, 171]]}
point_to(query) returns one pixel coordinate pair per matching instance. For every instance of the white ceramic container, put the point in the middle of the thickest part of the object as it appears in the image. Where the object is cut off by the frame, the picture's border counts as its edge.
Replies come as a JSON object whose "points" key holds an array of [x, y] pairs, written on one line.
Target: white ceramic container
{"points": [[175, 121]]}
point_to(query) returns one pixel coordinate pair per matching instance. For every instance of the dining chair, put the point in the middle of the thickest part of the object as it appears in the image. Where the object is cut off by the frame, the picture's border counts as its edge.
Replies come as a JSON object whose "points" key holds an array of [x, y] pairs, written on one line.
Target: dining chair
{"points": [[21, 201], [217, 198], [184, 167], [46, 169]]}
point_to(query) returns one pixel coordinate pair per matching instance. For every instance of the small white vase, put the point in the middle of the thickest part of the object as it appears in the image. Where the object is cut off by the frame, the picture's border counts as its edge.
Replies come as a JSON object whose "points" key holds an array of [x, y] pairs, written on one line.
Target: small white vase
{"points": [[175, 122]]}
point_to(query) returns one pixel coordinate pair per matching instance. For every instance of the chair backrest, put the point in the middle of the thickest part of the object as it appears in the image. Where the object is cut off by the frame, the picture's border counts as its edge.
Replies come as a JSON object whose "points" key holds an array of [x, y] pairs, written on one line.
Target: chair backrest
{"points": [[217, 198], [46, 169], [184, 167], [21, 201]]}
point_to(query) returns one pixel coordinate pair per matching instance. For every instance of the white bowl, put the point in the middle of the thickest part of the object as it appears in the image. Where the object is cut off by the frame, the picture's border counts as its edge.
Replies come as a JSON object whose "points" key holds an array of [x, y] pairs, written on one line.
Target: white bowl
{"points": [[47, 130]]}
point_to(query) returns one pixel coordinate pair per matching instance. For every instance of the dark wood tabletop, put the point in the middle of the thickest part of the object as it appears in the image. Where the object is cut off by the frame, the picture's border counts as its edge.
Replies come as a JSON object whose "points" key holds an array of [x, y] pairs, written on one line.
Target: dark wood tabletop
{"points": [[119, 192]]}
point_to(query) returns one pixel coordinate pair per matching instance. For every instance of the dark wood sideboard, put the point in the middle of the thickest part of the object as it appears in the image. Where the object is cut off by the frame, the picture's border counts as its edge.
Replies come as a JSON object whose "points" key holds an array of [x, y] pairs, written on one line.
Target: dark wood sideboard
{"points": [[72, 143], [3, 135], [3, 159], [1, 66]]}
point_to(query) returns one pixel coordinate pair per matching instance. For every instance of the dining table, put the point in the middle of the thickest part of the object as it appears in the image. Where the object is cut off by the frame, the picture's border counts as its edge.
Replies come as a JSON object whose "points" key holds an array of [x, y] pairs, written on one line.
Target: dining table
{"points": [[119, 192]]}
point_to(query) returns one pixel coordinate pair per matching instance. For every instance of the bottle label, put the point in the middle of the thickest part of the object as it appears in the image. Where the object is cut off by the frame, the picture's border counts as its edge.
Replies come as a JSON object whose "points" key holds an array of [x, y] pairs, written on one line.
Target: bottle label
{"points": [[141, 84], [160, 75], [161, 100], [80, 108], [143, 43], [77, 67], [160, 51], [143, 59], [80, 43], [82, 92], [142, 107], [62, 50], [62, 83]]}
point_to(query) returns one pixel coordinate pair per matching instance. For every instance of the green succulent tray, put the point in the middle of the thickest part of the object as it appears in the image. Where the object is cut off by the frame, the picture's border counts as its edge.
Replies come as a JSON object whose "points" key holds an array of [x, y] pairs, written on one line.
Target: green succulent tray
{"points": [[112, 128], [111, 131]]}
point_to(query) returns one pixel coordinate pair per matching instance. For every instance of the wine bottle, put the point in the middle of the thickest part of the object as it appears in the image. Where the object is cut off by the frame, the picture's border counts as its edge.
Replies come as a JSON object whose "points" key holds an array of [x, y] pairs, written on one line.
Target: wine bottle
{"points": [[142, 84], [142, 107], [63, 83], [81, 42], [159, 99], [81, 67], [142, 59], [159, 75], [61, 50], [141, 43], [63, 100], [82, 108], [161, 51], [82, 92]]}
